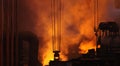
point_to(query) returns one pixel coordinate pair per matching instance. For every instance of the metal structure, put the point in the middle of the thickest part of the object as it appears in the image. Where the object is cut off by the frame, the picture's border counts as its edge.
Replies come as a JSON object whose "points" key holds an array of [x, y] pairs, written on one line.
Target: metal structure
{"points": [[108, 31], [103, 55], [56, 27], [96, 21]]}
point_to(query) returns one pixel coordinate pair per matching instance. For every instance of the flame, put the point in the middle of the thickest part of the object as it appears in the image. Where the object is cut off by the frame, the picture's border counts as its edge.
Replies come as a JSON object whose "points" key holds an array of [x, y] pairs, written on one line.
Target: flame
{"points": [[77, 27], [85, 46], [47, 57], [77, 31]]}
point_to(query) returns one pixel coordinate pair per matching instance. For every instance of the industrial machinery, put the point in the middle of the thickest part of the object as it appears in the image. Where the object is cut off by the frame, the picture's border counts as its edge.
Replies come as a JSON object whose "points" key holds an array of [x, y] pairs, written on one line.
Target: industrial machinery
{"points": [[56, 27]]}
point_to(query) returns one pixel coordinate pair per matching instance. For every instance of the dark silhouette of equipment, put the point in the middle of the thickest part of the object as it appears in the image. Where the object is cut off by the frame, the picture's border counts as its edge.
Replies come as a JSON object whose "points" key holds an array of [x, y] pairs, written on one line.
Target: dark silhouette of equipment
{"points": [[56, 55], [56, 27], [106, 53], [111, 27], [28, 49]]}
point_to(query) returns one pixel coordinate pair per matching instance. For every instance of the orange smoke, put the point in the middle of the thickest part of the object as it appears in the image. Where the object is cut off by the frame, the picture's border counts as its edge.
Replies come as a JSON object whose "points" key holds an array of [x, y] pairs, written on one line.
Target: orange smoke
{"points": [[77, 31], [77, 28]]}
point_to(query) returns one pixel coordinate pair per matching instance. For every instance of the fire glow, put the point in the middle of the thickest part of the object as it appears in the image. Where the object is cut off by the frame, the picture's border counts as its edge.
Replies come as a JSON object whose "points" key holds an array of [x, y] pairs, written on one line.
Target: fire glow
{"points": [[77, 28], [77, 31]]}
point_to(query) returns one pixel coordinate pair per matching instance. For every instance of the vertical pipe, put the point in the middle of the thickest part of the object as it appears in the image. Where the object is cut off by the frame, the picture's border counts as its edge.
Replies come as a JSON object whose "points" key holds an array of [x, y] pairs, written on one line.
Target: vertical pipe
{"points": [[96, 21], [52, 23], [56, 26], [16, 47], [8, 32], [60, 19], [95, 27], [2, 33], [12, 32], [97, 13], [8, 29], [95, 16]]}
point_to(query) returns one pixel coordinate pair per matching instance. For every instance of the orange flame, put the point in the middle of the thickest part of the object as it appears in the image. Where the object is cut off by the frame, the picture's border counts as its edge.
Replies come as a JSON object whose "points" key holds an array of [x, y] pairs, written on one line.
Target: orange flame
{"points": [[77, 31], [77, 28], [85, 46]]}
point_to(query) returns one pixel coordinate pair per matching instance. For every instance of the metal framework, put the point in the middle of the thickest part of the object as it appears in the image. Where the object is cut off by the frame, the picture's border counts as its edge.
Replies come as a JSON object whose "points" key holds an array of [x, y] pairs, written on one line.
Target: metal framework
{"points": [[56, 27], [96, 21]]}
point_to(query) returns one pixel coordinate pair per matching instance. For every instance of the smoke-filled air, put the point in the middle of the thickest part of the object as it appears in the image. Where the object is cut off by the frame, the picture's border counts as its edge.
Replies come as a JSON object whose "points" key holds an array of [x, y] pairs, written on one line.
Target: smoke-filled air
{"points": [[77, 26]]}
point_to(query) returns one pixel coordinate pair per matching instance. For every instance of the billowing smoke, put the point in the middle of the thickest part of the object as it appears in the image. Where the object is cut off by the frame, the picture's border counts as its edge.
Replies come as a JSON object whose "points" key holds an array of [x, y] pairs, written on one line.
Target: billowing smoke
{"points": [[77, 25]]}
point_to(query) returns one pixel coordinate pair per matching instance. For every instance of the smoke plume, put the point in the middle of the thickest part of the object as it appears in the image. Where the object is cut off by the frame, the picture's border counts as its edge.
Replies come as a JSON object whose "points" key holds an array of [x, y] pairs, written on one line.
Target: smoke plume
{"points": [[77, 25]]}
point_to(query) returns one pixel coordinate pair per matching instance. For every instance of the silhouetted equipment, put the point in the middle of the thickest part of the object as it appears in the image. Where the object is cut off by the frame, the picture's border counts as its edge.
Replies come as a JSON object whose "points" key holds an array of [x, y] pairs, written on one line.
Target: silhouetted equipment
{"points": [[110, 27], [103, 26], [28, 49], [91, 53], [113, 27], [108, 32], [108, 53], [56, 27], [56, 55], [59, 63]]}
